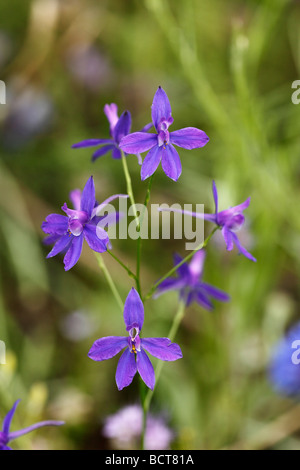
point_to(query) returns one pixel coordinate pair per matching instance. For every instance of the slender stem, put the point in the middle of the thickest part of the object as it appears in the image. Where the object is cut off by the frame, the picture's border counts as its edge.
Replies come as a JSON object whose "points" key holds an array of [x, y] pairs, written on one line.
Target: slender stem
{"points": [[130, 273], [110, 281], [171, 335], [129, 188], [133, 204], [139, 240], [174, 269]]}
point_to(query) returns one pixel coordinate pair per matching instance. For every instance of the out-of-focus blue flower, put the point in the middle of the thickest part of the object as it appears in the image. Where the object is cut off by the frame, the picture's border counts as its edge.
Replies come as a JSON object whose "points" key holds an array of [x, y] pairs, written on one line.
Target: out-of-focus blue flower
{"points": [[89, 66], [190, 285], [6, 435], [134, 359], [125, 429], [284, 369], [118, 128], [161, 144], [80, 223], [29, 113]]}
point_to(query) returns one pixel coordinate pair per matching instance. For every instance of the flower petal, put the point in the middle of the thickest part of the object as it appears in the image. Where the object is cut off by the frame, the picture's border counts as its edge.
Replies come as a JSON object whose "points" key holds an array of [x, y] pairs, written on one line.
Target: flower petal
{"points": [[73, 253], [241, 207], [203, 300], [145, 369], [227, 215], [9, 417], [41, 424], [161, 107], [183, 269], [196, 265], [138, 142], [215, 194], [189, 138], [75, 198], [88, 197], [107, 347], [147, 127], [162, 348], [241, 249], [214, 292], [151, 162], [96, 237], [91, 143], [116, 153], [133, 311], [51, 239], [126, 369], [199, 215], [61, 245], [170, 162], [55, 223], [122, 127], [169, 284], [227, 235], [102, 151], [111, 112], [99, 207]]}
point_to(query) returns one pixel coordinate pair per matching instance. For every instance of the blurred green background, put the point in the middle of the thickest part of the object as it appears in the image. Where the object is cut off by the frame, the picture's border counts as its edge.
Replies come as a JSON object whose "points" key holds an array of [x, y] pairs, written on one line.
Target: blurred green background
{"points": [[228, 69]]}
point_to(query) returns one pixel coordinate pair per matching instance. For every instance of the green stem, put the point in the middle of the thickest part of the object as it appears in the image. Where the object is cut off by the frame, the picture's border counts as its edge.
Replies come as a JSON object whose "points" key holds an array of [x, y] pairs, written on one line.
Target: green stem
{"points": [[129, 188], [171, 335], [133, 204], [139, 240], [130, 273], [174, 269], [110, 281]]}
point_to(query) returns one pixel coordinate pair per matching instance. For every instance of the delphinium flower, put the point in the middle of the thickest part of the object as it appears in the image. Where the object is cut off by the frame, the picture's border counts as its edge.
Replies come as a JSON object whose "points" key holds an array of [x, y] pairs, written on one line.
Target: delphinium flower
{"points": [[190, 285], [82, 222], [125, 429], [284, 369], [230, 221], [161, 144], [118, 128], [134, 359], [6, 435]]}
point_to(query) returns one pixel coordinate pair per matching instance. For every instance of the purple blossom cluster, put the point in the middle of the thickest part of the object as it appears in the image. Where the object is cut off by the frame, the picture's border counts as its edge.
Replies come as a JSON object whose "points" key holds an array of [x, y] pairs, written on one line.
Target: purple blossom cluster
{"points": [[83, 222]]}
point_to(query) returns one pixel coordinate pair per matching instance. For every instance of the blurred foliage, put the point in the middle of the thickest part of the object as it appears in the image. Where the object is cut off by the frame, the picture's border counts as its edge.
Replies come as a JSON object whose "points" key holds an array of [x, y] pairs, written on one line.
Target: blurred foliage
{"points": [[227, 68]]}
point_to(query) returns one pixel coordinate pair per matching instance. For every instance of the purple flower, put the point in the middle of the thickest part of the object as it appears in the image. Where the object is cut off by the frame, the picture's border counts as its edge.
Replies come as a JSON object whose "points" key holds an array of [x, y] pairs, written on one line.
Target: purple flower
{"points": [[284, 369], [134, 359], [161, 144], [230, 220], [82, 222], [125, 428], [6, 436], [190, 285], [119, 127]]}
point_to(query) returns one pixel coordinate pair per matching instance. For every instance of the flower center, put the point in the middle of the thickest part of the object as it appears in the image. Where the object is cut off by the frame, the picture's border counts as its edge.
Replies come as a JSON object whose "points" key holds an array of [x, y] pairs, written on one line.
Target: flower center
{"points": [[77, 223], [163, 133], [163, 138], [236, 222], [134, 341]]}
